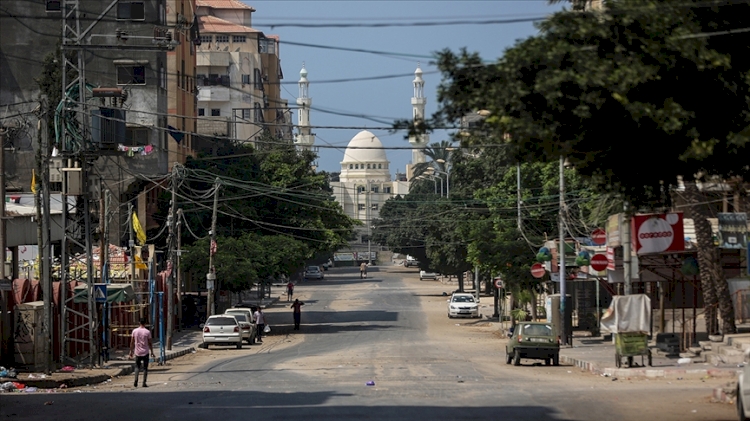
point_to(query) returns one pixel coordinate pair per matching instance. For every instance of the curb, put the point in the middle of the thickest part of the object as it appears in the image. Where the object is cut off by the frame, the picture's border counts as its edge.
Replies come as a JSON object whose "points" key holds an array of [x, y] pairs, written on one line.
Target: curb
{"points": [[95, 378], [650, 373]]}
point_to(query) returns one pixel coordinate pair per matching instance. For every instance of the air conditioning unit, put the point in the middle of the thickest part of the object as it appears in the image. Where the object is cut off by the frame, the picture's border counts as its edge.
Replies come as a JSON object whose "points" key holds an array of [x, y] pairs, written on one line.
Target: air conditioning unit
{"points": [[55, 170]]}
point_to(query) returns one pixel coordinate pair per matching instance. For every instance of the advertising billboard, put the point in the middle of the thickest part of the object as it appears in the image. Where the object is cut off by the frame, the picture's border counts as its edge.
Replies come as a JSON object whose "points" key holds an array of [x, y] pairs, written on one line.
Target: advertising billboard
{"points": [[657, 233]]}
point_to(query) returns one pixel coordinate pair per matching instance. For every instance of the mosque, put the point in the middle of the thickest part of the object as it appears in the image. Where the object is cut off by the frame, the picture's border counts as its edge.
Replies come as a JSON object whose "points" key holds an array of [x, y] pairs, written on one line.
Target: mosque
{"points": [[365, 181]]}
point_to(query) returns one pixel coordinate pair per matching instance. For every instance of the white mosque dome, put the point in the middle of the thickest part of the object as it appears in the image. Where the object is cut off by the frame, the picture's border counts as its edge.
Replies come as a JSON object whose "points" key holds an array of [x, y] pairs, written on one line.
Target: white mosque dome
{"points": [[373, 153]]}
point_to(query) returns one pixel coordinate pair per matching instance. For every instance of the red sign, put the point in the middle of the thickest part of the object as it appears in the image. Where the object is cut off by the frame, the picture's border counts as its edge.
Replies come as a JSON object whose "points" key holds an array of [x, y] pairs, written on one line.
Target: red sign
{"points": [[599, 237], [657, 233], [599, 262], [610, 258], [498, 283], [537, 270]]}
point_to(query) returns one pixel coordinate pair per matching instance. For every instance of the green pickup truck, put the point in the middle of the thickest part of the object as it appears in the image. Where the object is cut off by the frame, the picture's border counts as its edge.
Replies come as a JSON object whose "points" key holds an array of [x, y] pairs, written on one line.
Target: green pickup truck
{"points": [[533, 340]]}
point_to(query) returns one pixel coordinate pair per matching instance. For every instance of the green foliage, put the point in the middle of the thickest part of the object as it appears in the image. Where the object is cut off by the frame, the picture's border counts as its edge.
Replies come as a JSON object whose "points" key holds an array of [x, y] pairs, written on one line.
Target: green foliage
{"points": [[269, 192], [637, 86], [245, 260]]}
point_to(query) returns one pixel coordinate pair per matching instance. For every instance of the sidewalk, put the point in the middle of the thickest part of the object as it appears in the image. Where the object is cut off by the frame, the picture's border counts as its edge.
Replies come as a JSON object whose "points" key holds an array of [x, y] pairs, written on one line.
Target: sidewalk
{"points": [[184, 342]]}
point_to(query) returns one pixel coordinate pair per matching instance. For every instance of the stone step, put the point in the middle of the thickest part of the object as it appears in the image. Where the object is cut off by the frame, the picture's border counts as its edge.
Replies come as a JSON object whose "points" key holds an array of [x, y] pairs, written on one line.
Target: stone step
{"points": [[695, 350], [717, 359], [706, 345]]}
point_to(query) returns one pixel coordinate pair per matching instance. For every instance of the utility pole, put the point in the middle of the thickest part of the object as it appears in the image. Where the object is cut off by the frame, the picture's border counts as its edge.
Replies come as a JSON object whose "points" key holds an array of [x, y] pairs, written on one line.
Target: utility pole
{"points": [[211, 276], [5, 349], [171, 220], [561, 255], [131, 246], [45, 246], [179, 280], [626, 250]]}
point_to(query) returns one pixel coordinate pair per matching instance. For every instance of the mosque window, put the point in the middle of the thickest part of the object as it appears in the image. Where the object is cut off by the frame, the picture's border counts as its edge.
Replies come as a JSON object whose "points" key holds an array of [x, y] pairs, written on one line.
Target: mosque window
{"points": [[351, 166], [361, 206], [374, 189], [387, 190], [368, 166], [356, 166], [380, 166]]}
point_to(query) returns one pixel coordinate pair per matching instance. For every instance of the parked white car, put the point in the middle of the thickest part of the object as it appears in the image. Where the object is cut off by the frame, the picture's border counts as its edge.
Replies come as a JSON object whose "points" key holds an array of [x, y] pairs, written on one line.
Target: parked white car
{"points": [[313, 272], [245, 318], [743, 393], [222, 329], [463, 304], [424, 274]]}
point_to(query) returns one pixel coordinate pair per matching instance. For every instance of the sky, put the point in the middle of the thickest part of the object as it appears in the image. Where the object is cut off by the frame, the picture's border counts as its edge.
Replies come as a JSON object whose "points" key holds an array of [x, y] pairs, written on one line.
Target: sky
{"points": [[343, 100]]}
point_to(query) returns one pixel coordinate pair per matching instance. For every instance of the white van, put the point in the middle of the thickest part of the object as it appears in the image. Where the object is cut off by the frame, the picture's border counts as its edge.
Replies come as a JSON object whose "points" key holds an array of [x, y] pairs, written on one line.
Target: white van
{"points": [[410, 261]]}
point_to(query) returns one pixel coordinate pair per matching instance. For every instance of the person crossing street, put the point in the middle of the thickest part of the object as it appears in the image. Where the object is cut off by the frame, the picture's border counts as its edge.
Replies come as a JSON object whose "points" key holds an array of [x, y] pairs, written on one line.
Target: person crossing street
{"points": [[297, 310]]}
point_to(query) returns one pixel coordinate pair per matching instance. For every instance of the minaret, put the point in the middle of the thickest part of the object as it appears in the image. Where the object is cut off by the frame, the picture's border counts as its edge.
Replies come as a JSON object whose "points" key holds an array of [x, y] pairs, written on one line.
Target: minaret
{"points": [[418, 102], [305, 138]]}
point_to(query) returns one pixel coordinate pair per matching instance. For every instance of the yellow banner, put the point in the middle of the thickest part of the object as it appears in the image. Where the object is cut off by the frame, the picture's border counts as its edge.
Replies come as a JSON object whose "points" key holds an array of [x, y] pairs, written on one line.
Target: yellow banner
{"points": [[139, 233]]}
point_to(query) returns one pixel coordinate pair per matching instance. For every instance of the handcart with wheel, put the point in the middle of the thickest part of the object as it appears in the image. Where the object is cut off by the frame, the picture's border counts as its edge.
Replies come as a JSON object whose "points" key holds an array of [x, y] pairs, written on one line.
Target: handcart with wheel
{"points": [[629, 345]]}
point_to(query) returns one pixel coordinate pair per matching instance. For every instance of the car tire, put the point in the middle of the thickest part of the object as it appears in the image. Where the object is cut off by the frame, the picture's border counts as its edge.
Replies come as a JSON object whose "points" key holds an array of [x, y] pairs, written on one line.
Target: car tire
{"points": [[556, 360], [508, 357], [740, 407], [239, 344], [547, 361], [516, 358]]}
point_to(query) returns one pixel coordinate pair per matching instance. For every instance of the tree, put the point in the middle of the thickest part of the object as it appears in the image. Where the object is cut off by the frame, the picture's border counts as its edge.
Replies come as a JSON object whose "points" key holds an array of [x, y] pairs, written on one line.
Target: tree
{"points": [[643, 84]]}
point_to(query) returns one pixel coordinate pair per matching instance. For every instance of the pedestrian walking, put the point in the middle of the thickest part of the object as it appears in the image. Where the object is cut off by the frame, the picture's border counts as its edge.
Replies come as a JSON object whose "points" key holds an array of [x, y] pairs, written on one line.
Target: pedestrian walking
{"points": [[289, 291], [363, 270], [260, 322], [140, 346], [296, 306]]}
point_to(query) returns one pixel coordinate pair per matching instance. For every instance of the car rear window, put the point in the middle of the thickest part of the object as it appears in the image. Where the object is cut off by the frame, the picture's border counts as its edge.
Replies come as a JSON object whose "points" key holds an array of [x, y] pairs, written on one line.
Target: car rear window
{"points": [[312, 269], [240, 317], [537, 330], [221, 321]]}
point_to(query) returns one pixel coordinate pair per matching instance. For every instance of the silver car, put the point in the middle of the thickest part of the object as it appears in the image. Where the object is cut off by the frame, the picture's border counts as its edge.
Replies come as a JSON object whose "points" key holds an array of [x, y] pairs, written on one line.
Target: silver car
{"points": [[313, 272], [463, 304], [222, 329], [245, 318]]}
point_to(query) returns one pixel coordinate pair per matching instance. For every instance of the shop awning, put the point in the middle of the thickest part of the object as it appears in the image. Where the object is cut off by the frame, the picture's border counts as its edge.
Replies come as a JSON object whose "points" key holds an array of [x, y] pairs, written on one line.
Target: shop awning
{"points": [[116, 293]]}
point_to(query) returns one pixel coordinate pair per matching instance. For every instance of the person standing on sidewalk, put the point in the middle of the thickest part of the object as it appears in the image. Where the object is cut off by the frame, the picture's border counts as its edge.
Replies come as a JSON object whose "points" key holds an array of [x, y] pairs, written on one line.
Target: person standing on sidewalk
{"points": [[296, 306], [363, 270], [289, 291], [140, 346], [260, 323]]}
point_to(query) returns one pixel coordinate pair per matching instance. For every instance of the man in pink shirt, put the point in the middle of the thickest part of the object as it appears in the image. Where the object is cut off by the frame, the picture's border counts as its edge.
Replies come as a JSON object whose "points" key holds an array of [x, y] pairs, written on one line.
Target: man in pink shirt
{"points": [[141, 345]]}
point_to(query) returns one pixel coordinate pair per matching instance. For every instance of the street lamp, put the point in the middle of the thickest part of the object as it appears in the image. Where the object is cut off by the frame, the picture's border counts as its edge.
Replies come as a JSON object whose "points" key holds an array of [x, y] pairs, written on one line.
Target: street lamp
{"points": [[434, 180], [447, 178], [431, 173]]}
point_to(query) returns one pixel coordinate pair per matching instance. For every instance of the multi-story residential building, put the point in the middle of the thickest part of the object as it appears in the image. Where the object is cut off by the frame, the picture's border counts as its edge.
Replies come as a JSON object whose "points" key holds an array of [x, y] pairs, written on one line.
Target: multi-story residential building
{"points": [[181, 88], [133, 49], [238, 75]]}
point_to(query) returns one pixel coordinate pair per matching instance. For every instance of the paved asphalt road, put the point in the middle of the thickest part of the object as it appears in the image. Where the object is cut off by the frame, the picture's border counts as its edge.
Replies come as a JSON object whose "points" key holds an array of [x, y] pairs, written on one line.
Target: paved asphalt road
{"points": [[355, 331]]}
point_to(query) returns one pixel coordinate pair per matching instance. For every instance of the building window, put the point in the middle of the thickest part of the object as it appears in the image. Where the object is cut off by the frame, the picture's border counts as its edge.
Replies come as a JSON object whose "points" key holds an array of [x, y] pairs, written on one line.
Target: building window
{"points": [[215, 112], [380, 166], [258, 79], [374, 189], [136, 136], [247, 114], [222, 38], [387, 190], [131, 75], [360, 189], [356, 166], [245, 79], [361, 206], [368, 166], [374, 206], [206, 39], [53, 6], [131, 10], [258, 113], [239, 38], [201, 112], [351, 166]]}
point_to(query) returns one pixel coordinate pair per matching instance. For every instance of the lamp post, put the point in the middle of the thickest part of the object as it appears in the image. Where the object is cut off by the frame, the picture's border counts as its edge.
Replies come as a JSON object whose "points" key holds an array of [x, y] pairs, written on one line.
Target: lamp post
{"points": [[447, 179], [432, 177], [431, 173]]}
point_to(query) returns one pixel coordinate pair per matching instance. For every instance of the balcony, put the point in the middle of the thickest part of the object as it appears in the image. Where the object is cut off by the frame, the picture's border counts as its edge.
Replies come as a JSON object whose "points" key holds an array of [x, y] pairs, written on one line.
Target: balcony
{"points": [[213, 93], [213, 58]]}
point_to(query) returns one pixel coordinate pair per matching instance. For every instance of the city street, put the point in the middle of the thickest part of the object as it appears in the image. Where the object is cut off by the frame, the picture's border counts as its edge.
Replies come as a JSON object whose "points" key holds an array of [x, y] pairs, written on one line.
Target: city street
{"points": [[392, 330]]}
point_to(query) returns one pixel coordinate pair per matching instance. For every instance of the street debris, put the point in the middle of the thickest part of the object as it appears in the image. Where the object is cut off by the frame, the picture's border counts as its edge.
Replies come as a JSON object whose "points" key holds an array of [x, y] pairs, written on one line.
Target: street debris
{"points": [[68, 369], [370, 383], [49, 402]]}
